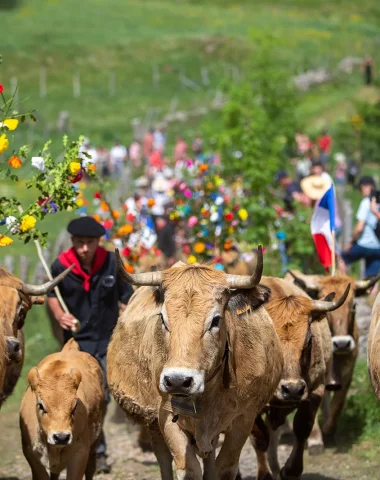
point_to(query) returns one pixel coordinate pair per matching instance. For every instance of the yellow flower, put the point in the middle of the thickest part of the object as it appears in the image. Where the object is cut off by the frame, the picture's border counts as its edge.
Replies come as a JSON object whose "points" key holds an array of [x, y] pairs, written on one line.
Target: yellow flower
{"points": [[4, 144], [5, 241], [192, 259], [11, 123], [74, 167], [243, 214], [80, 202], [125, 230], [231, 230], [27, 223], [199, 247]]}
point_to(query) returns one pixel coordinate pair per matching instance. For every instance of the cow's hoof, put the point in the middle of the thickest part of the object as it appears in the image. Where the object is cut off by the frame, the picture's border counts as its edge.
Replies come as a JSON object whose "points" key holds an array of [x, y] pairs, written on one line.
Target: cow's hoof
{"points": [[315, 450], [284, 476], [238, 476], [265, 476]]}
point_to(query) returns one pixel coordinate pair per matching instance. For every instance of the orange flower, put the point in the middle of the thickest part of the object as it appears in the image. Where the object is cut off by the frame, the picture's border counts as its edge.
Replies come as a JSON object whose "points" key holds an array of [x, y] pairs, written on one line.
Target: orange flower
{"points": [[227, 245], [97, 218], [92, 167], [15, 162], [115, 214], [203, 167], [151, 202], [125, 230], [104, 207], [129, 268]]}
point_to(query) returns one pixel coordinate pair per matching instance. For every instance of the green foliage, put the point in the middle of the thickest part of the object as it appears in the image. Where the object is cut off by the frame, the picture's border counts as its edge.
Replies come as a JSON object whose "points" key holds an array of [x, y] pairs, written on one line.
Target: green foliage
{"points": [[257, 122]]}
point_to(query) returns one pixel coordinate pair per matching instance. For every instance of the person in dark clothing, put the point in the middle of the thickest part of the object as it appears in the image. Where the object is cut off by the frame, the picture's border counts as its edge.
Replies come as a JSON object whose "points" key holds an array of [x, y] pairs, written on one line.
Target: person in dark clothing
{"points": [[94, 295], [292, 191], [165, 239]]}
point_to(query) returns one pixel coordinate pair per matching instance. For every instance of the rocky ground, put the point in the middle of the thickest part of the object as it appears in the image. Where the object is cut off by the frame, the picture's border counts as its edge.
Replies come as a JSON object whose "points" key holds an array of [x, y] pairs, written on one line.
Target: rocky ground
{"points": [[129, 462]]}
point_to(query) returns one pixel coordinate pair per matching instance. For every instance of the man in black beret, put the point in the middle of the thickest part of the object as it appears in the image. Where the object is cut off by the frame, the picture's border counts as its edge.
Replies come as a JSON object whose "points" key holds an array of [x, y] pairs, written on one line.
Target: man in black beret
{"points": [[93, 293]]}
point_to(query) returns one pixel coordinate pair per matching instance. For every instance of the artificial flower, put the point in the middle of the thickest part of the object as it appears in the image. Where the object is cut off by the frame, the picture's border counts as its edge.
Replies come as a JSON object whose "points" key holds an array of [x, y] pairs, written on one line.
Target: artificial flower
{"points": [[131, 217], [104, 206], [203, 167], [115, 214], [125, 230], [199, 247], [187, 193], [42, 201], [192, 259], [39, 163], [4, 144], [229, 216], [91, 167], [15, 162], [10, 123], [82, 185], [192, 221], [186, 249], [151, 202], [231, 230], [128, 267], [77, 177], [75, 167], [227, 245], [97, 218], [126, 252], [1, 88], [11, 223], [5, 241], [243, 214], [80, 202], [108, 224], [97, 195], [27, 223]]}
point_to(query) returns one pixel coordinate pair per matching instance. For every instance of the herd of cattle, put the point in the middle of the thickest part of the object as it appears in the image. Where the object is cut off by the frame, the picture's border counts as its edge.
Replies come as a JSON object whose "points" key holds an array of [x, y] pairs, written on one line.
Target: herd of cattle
{"points": [[199, 356]]}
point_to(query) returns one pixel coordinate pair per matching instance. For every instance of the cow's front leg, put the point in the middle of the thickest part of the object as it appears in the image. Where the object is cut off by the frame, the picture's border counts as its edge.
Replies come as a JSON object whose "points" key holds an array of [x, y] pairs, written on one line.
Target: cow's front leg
{"points": [[335, 408], [302, 427], [227, 462], [260, 441], [183, 452], [315, 444], [76, 468], [162, 452], [209, 472]]}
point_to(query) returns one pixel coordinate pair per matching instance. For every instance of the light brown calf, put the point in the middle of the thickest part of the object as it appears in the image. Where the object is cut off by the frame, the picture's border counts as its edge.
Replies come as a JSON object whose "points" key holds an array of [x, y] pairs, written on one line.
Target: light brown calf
{"points": [[374, 348], [62, 414]]}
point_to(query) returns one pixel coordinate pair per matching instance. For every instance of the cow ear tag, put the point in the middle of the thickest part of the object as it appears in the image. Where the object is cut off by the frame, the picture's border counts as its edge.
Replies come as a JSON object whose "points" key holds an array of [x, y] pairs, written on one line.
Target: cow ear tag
{"points": [[245, 309]]}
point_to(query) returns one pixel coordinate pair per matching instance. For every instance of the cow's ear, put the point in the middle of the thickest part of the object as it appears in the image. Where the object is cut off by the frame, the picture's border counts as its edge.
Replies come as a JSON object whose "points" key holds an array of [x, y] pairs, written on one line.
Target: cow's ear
{"points": [[76, 376], [241, 301], [33, 378]]}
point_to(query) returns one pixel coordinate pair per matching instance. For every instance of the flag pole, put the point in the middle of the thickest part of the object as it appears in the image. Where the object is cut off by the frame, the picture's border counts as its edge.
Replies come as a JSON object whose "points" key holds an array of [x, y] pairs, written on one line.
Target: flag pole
{"points": [[333, 252]]}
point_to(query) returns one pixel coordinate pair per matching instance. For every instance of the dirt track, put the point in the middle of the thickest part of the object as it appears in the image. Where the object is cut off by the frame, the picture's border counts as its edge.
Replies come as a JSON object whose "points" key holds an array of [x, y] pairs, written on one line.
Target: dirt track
{"points": [[344, 463]]}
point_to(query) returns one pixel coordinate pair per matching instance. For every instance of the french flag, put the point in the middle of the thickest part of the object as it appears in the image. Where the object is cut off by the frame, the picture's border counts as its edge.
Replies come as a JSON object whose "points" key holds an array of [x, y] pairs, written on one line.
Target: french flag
{"points": [[322, 226]]}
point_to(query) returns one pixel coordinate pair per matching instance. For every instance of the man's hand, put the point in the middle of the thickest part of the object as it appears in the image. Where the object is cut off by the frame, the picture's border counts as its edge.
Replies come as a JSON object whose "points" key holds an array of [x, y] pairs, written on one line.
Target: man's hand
{"points": [[348, 246], [67, 321]]}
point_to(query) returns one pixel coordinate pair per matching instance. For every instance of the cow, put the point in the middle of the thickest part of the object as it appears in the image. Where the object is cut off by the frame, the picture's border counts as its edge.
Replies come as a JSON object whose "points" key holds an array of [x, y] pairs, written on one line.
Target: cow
{"points": [[193, 355], [373, 358], [301, 325], [345, 339], [16, 299], [62, 414], [235, 264]]}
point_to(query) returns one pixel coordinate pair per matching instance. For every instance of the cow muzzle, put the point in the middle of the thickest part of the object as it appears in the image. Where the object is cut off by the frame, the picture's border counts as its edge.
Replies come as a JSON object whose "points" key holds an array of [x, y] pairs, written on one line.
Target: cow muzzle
{"points": [[291, 391], [14, 350], [343, 344], [181, 381], [60, 439]]}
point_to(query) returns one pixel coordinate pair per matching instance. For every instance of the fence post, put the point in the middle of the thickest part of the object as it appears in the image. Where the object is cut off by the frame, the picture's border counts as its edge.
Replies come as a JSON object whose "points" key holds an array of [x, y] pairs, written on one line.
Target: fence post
{"points": [[9, 264], [76, 85], [43, 86]]}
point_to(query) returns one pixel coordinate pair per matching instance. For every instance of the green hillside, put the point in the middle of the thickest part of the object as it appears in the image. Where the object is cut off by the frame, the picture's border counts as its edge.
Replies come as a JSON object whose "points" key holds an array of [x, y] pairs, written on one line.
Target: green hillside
{"points": [[117, 47]]}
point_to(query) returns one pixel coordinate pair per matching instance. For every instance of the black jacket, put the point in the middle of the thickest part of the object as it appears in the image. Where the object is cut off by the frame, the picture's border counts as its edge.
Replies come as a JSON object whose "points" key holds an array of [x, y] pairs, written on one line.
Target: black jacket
{"points": [[98, 309]]}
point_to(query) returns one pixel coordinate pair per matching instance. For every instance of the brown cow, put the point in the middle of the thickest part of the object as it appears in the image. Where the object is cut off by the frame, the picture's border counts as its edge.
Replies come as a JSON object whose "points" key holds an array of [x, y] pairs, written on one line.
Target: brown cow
{"points": [[16, 299], [62, 414], [374, 348], [345, 338], [193, 357], [235, 264], [306, 342]]}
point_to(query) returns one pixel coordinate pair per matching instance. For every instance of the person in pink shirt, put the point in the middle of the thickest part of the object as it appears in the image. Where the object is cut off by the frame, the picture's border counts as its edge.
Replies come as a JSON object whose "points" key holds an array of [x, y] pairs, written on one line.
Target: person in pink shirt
{"points": [[180, 150], [148, 144]]}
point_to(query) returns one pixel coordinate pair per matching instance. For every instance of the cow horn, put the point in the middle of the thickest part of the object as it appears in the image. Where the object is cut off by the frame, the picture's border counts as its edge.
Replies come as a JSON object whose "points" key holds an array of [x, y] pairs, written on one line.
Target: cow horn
{"points": [[366, 284], [45, 288], [152, 279], [300, 282], [323, 306], [247, 281]]}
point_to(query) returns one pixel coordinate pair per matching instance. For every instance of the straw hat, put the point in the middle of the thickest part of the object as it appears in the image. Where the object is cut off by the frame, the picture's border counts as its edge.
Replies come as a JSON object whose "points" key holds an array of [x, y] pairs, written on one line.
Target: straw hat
{"points": [[315, 186]]}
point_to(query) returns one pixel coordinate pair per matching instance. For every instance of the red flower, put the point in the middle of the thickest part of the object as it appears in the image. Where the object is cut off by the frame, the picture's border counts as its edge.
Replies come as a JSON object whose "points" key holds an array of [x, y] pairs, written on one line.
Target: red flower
{"points": [[1, 88], [97, 195], [186, 249], [130, 217], [108, 224], [126, 252], [236, 208], [229, 217], [42, 201], [206, 213], [77, 177]]}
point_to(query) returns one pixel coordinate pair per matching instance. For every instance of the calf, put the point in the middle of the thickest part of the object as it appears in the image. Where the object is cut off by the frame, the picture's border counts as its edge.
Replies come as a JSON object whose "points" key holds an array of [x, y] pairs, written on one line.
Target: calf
{"points": [[62, 414], [306, 343], [374, 348], [345, 338], [16, 299]]}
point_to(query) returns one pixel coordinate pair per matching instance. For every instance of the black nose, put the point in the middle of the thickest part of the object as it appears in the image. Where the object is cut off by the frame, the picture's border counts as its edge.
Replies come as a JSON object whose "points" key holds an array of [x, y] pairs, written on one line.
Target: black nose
{"points": [[178, 383], [342, 344], [13, 346], [293, 390], [61, 438]]}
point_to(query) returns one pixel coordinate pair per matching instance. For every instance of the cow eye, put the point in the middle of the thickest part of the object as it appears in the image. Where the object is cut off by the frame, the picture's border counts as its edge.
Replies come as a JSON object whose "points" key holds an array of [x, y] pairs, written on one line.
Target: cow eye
{"points": [[163, 322], [215, 322], [41, 407]]}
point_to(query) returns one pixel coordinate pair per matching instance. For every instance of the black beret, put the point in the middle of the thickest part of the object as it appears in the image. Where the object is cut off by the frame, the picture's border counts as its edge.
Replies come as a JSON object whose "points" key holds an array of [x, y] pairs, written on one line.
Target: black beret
{"points": [[86, 227]]}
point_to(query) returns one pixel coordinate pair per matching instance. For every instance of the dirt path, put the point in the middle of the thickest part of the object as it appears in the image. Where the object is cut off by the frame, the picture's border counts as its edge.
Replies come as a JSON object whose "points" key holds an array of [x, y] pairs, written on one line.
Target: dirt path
{"points": [[129, 462]]}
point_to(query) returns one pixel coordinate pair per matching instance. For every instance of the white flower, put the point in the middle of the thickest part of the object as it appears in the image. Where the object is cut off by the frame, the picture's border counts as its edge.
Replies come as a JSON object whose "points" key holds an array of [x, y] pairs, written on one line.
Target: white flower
{"points": [[39, 163], [214, 217], [219, 201], [11, 223]]}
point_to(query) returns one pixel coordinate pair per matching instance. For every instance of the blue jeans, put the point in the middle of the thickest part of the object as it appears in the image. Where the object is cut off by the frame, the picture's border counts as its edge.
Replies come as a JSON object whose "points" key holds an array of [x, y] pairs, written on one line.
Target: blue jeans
{"points": [[370, 255]]}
